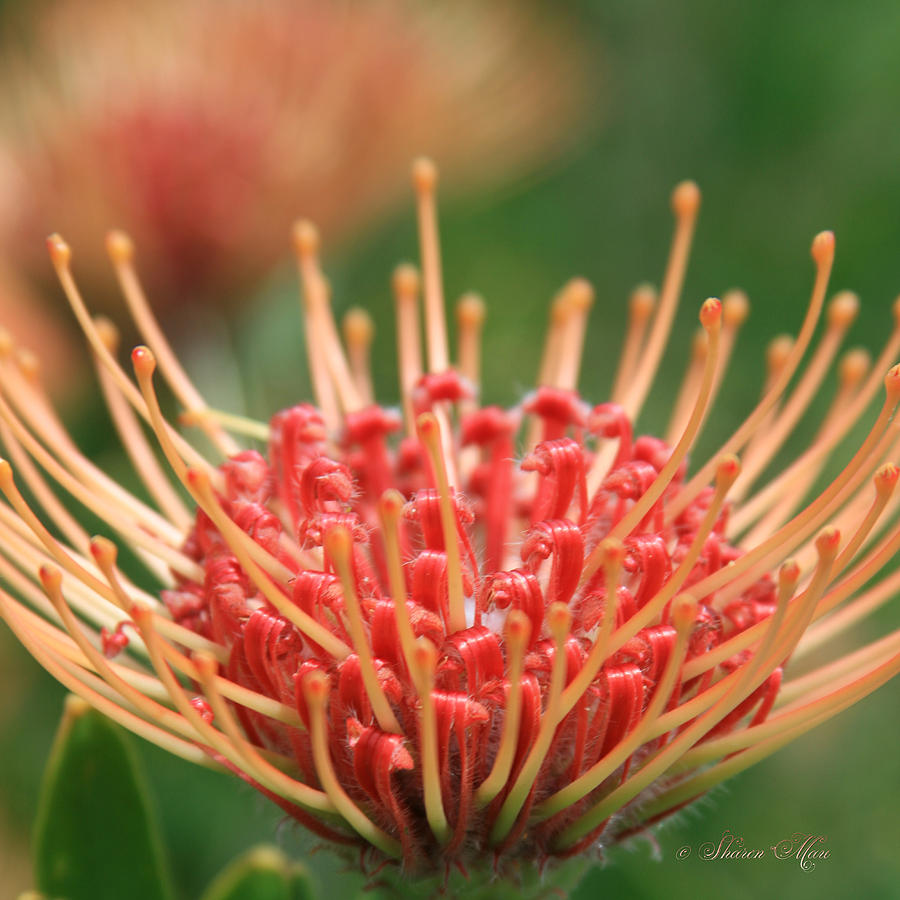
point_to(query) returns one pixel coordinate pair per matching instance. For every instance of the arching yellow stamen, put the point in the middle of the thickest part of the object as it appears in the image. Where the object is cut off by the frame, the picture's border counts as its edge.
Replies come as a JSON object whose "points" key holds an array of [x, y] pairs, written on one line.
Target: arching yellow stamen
{"points": [[684, 613], [749, 677], [685, 205], [409, 341], [425, 660], [316, 688], [120, 248], [359, 332], [246, 550], [580, 299], [641, 304], [823, 256], [390, 510], [132, 436], [559, 621], [339, 546], [518, 631], [328, 367], [429, 432], [425, 176], [840, 314], [710, 318]]}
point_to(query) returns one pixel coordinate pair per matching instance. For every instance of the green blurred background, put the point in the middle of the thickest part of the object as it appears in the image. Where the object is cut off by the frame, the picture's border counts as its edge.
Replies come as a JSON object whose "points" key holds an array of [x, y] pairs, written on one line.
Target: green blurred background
{"points": [[787, 116]]}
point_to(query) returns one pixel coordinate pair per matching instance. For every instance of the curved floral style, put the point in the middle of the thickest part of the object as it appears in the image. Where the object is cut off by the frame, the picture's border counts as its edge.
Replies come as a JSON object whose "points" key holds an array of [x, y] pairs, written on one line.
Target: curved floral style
{"points": [[458, 635]]}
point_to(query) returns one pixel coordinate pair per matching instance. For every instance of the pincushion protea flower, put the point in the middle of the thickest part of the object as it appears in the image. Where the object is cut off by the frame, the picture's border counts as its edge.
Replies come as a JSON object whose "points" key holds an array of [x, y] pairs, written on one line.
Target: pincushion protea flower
{"points": [[463, 636], [202, 127]]}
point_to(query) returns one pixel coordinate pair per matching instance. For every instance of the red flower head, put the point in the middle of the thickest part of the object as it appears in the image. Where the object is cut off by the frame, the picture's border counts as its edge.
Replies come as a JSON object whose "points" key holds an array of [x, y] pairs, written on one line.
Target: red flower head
{"points": [[464, 635]]}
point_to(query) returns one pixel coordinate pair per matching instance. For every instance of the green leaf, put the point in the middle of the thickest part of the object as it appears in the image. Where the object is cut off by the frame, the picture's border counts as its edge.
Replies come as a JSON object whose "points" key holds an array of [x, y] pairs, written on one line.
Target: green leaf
{"points": [[95, 837], [262, 874]]}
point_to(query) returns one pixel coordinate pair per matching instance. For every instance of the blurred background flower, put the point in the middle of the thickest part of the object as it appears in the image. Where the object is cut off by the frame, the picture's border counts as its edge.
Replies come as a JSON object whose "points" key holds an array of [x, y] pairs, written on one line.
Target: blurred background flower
{"points": [[23, 315], [204, 127], [784, 118]]}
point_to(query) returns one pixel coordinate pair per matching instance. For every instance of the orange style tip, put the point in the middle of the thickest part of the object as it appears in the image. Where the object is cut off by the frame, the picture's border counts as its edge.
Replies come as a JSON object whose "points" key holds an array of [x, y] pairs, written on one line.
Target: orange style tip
{"points": [[778, 351], [305, 236], [143, 360], [828, 541], [316, 685], [107, 332], [425, 655], [6, 473], [886, 477], [684, 611], [842, 309], [51, 578], [338, 542], [612, 550], [359, 329], [853, 365], [735, 308], [642, 302], [141, 616], [559, 621], [686, 199], [518, 627], [427, 425], [391, 503], [406, 280], [823, 248], [892, 382], [424, 174], [103, 550], [197, 478], [580, 294], [789, 573], [119, 246], [470, 310], [711, 313], [728, 469], [60, 252]]}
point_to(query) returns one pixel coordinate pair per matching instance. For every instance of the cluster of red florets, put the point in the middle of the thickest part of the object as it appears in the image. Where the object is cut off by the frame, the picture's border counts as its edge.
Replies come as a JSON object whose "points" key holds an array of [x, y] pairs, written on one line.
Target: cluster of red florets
{"points": [[524, 532]]}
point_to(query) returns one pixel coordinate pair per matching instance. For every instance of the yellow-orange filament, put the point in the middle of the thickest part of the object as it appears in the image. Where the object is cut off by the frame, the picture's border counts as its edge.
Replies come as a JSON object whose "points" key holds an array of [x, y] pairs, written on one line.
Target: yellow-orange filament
{"points": [[429, 432], [685, 205], [409, 341], [339, 546], [518, 631], [559, 621], [359, 332], [425, 177], [641, 304], [423, 678]]}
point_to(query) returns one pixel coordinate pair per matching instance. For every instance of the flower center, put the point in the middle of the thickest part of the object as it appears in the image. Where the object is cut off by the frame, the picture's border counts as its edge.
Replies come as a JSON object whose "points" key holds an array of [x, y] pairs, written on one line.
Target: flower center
{"points": [[501, 638]]}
